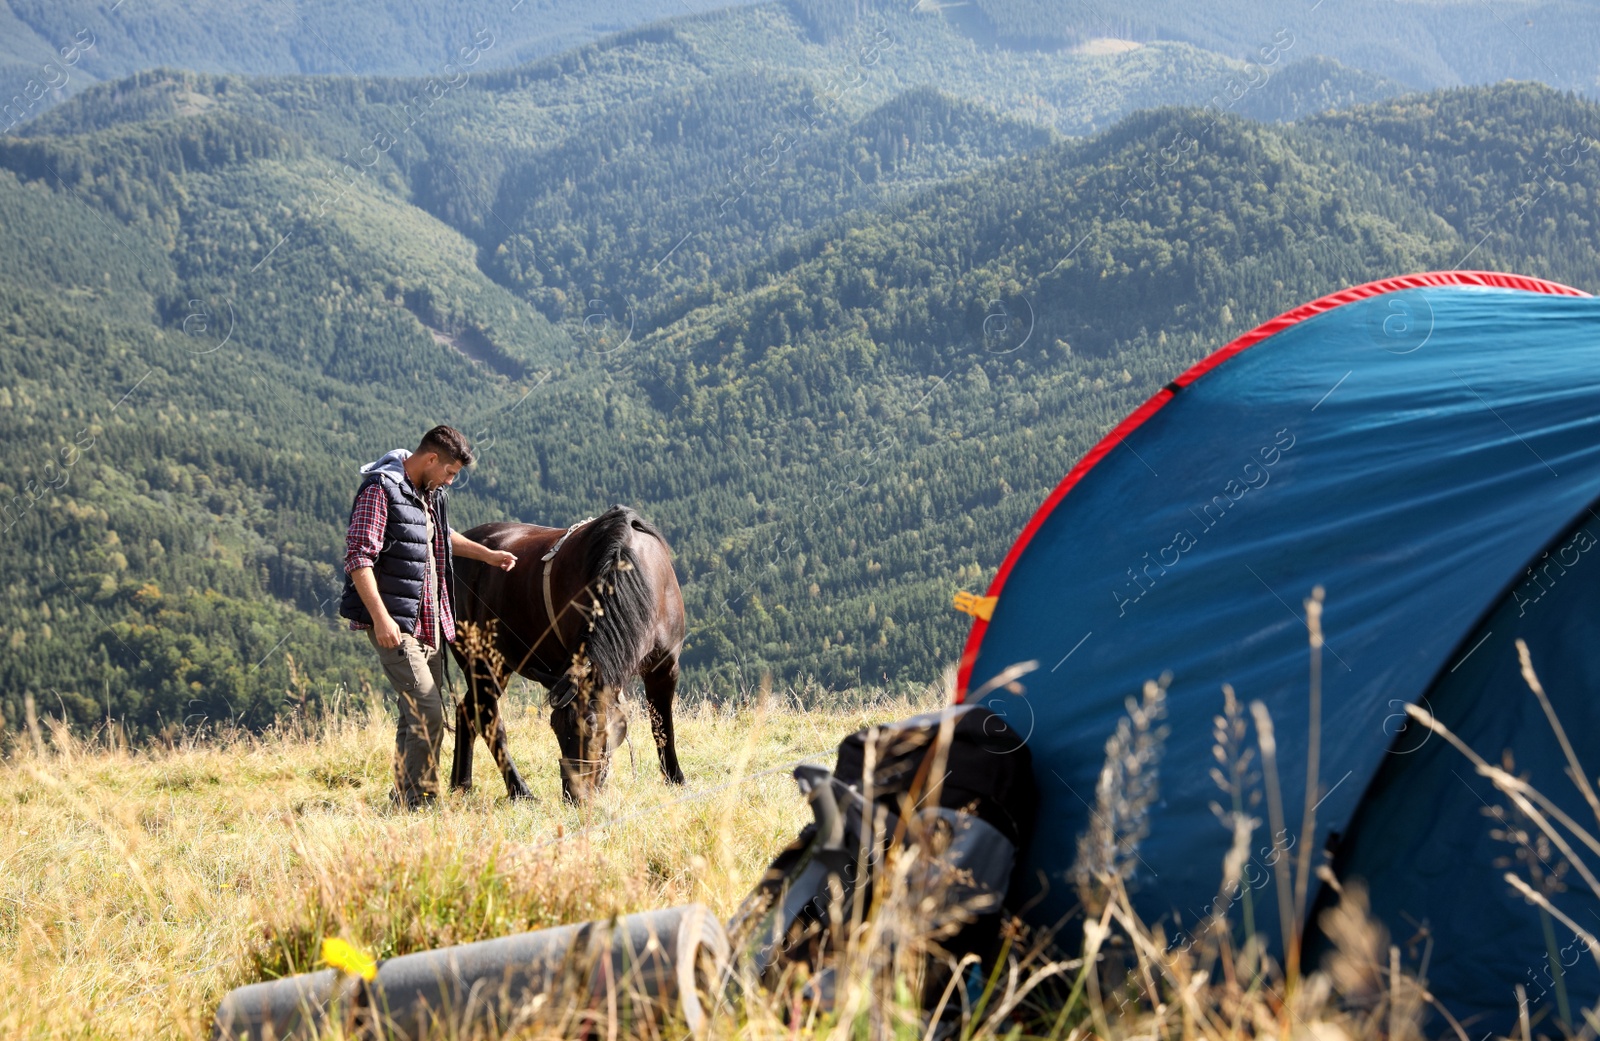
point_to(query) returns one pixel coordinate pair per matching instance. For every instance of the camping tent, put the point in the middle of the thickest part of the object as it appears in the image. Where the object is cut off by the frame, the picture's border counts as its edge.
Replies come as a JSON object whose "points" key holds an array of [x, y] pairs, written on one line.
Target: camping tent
{"points": [[1427, 449]]}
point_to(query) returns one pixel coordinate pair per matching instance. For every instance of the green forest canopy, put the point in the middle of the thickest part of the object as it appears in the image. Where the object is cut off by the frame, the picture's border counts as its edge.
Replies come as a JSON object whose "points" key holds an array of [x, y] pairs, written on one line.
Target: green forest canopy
{"points": [[837, 345]]}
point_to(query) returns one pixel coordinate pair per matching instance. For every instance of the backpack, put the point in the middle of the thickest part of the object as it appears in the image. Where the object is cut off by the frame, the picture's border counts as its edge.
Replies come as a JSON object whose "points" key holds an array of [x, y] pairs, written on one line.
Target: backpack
{"points": [[977, 830]]}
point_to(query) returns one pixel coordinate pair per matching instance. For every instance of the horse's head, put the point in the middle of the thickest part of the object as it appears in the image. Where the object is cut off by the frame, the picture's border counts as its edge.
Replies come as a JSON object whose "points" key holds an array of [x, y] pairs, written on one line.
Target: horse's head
{"points": [[589, 723], [614, 577]]}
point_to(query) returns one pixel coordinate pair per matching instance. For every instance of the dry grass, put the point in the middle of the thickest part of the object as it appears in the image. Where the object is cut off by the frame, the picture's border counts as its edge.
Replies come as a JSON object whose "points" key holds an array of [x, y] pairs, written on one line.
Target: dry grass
{"points": [[136, 887]]}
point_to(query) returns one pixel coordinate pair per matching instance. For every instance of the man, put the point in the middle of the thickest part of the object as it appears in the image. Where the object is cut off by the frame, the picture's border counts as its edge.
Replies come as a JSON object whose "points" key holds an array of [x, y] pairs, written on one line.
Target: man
{"points": [[399, 582]]}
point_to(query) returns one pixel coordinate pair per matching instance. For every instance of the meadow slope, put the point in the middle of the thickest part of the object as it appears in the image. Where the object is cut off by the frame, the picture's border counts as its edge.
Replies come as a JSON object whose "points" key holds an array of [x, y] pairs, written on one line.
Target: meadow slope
{"points": [[137, 887]]}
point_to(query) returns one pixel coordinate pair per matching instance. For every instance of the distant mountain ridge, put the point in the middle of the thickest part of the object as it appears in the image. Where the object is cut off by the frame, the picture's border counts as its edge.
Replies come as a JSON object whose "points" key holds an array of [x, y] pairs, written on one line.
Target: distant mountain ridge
{"points": [[49, 51], [266, 37], [1423, 44]]}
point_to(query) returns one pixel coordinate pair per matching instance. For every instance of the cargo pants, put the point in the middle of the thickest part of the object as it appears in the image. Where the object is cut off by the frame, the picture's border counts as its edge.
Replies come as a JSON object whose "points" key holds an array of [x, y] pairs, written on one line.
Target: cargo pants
{"points": [[416, 671]]}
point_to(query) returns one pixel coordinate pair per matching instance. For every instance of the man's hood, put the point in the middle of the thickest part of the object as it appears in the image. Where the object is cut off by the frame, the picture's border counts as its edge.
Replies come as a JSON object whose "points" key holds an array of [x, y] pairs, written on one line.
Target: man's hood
{"points": [[392, 467], [392, 463]]}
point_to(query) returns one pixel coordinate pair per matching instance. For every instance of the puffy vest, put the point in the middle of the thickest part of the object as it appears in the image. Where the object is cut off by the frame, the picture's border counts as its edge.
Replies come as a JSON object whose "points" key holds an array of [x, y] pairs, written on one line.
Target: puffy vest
{"points": [[402, 564]]}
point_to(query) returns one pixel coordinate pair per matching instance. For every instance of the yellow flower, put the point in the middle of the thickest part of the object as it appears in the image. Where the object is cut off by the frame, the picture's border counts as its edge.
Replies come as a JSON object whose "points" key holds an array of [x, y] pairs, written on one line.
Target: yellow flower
{"points": [[348, 958]]}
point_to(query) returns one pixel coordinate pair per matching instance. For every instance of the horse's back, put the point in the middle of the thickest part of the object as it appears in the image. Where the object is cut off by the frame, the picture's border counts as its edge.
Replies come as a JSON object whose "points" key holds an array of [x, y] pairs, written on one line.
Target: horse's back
{"points": [[484, 592], [515, 536], [516, 598]]}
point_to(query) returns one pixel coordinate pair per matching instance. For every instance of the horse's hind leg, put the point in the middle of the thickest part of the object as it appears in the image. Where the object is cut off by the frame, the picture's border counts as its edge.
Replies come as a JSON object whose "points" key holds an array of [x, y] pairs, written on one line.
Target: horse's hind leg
{"points": [[660, 687], [495, 734], [478, 717], [466, 736], [480, 684], [493, 729]]}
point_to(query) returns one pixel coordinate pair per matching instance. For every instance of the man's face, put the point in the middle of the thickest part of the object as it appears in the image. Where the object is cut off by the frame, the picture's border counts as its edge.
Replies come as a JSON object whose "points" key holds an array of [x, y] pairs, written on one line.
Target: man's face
{"points": [[438, 472]]}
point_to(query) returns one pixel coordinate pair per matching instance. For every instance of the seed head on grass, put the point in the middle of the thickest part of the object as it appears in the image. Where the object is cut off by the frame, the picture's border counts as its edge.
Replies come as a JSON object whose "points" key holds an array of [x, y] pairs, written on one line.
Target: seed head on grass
{"points": [[1127, 786]]}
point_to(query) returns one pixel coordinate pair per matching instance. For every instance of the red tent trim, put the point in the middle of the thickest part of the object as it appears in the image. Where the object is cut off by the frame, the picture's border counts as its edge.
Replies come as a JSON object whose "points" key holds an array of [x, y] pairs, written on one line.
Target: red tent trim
{"points": [[1487, 279]]}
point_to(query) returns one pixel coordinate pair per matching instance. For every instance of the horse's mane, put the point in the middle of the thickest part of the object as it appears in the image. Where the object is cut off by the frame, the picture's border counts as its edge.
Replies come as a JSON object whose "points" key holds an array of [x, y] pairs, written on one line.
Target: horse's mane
{"points": [[621, 627]]}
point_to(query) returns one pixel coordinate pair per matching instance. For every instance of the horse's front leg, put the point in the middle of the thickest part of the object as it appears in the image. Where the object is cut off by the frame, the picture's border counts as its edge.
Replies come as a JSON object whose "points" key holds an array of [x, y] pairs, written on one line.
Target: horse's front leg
{"points": [[660, 687], [567, 724]]}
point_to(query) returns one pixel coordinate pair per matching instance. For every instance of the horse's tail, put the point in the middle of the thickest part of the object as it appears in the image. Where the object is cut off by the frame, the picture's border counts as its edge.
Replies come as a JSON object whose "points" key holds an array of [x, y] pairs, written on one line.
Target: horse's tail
{"points": [[624, 603]]}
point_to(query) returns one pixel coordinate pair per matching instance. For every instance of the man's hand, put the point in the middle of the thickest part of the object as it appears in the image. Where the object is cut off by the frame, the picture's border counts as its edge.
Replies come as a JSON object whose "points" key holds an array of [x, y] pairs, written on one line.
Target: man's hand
{"points": [[386, 632], [384, 629], [466, 548]]}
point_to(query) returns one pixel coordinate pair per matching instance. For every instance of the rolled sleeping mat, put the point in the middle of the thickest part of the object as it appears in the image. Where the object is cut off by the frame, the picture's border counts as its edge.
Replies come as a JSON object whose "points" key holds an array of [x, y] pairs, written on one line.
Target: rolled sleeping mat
{"points": [[645, 966], [304, 1006]]}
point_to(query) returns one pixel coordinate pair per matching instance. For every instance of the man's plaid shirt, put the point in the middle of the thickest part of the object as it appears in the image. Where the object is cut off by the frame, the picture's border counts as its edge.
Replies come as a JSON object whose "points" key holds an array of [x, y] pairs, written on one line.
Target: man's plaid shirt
{"points": [[364, 541]]}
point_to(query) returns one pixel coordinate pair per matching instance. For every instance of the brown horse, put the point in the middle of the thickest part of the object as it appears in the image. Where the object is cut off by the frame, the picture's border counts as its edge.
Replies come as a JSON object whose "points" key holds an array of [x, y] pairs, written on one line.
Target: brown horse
{"points": [[617, 613]]}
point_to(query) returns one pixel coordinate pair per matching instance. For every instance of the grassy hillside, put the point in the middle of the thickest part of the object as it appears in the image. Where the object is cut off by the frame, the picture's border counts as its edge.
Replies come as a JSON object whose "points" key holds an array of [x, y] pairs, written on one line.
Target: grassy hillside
{"points": [[878, 51], [52, 51], [49, 51], [140, 887], [665, 157]]}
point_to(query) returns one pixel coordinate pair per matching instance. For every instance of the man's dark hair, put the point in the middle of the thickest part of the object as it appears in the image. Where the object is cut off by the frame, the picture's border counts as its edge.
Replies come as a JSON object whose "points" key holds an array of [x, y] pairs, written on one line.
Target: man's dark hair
{"points": [[449, 442]]}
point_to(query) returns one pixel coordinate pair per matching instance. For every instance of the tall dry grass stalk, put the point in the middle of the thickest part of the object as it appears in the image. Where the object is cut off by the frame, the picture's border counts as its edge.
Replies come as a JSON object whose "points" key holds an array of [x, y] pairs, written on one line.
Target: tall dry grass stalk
{"points": [[1313, 782], [1127, 785], [1235, 775]]}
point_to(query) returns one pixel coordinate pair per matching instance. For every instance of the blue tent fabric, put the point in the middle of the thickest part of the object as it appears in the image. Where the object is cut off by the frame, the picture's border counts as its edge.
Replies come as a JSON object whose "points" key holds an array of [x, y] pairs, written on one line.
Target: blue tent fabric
{"points": [[1425, 827], [1413, 450]]}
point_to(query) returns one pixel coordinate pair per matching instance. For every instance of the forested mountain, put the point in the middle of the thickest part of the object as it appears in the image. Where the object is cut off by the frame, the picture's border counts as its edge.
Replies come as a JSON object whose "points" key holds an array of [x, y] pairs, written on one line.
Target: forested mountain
{"points": [[60, 46], [836, 332], [65, 45], [1423, 43], [643, 171]]}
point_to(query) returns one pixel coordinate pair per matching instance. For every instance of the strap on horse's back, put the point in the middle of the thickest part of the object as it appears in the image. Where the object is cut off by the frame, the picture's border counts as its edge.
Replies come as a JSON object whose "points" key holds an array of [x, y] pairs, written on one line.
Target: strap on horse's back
{"points": [[549, 562]]}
